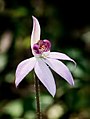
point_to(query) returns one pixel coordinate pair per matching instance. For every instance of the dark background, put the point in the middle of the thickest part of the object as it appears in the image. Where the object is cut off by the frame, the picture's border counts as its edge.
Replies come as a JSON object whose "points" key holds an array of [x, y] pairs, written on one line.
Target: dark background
{"points": [[67, 26]]}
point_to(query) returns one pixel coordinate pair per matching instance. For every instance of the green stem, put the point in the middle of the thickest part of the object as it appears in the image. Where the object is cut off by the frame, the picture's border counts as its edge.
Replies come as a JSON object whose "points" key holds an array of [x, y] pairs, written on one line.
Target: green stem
{"points": [[37, 97]]}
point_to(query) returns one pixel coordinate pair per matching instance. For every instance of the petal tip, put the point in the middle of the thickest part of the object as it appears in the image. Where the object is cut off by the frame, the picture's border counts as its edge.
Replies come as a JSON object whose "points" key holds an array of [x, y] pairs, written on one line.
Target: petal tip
{"points": [[33, 17], [53, 94], [16, 84], [72, 83]]}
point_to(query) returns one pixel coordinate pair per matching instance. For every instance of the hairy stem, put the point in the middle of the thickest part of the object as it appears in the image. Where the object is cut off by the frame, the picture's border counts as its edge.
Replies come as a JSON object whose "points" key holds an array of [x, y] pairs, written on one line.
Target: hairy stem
{"points": [[37, 97]]}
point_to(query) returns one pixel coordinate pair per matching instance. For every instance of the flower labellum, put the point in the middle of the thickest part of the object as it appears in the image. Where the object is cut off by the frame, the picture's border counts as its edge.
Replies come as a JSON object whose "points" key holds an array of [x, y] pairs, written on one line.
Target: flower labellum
{"points": [[42, 46], [42, 60]]}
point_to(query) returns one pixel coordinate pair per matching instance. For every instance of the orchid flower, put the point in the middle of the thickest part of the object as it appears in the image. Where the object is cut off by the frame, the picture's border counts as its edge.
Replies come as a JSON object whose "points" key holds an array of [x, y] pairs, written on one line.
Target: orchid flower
{"points": [[42, 60]]}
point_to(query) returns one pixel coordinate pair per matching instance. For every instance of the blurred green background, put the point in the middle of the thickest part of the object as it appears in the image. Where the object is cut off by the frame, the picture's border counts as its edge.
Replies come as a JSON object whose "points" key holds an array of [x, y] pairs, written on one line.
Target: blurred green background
{"points": [[67, 26]]}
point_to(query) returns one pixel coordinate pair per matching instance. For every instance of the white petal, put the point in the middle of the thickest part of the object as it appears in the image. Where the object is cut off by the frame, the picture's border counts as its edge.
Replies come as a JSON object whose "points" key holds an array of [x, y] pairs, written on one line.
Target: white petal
{"points": [[60, 69], [61, 56], [35, 36], [24, 68], [45, 76]]}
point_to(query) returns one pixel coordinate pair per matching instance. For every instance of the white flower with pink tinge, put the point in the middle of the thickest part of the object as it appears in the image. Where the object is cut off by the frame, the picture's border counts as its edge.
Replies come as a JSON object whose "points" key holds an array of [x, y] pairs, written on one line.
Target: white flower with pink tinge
{"points": [[42, 60]]}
